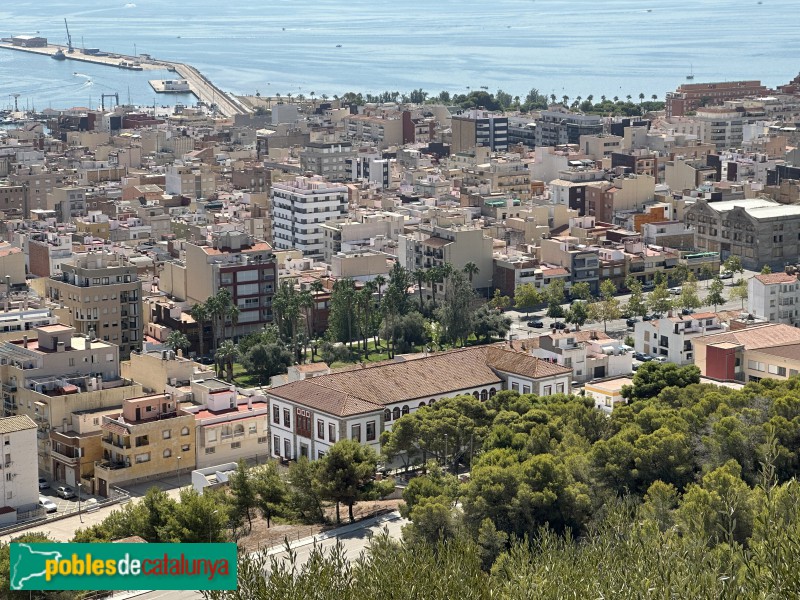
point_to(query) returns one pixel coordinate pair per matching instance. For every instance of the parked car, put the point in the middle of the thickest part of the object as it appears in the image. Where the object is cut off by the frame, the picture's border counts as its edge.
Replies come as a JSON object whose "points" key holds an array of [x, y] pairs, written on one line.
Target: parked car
{"points": [[559, 325], [687, 311], [726, 275], [47, 504], [661, 359], [65, 492], [635, 367], [631, 322], [43, 485], [648, 286], [536, 324], [641, 356], [676, 291], [646, 318]]}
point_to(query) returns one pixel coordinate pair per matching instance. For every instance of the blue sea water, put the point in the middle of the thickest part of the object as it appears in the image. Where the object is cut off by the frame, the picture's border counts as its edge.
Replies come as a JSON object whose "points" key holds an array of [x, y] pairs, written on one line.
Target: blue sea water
{"points": [[607, 47]]}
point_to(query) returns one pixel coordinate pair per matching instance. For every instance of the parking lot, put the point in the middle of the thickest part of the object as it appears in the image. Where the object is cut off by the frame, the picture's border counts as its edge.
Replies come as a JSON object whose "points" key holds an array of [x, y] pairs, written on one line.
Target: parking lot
{"points": [[66, 505]]}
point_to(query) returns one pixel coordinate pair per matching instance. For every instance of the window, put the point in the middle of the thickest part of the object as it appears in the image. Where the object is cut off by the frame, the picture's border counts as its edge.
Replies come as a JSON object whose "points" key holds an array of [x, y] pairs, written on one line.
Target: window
{"points": [[405, 409], [211, 450], [320, 455], [355, 433], [142, 440], [8, 476], [167, 453], [212, 435], [526, 389], [515, 386], [331, 432], [253, 428], [262, 440], [387, 414], [395, 413], [185, 448], [320, 429], [303, 422], [236, 445], [276, 414], [143, 458], [370, 431], [276, 445], [560, 388], [185, 431], [548, 389], [167, 433], [287, 419]]}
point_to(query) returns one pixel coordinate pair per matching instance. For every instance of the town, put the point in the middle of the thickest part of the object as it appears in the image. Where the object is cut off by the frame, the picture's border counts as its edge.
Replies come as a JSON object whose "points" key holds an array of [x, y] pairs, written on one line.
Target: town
{"points": [[184, 293]]}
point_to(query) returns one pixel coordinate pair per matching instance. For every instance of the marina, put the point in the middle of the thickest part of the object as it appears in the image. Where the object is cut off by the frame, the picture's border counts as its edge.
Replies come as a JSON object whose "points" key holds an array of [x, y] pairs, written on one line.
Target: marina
{"points": [[195, 82]]}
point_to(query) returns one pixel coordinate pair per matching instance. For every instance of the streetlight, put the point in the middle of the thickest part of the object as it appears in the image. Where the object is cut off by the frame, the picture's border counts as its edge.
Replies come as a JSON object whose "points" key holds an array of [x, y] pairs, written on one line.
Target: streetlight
{"points": [[179, 472], [213, 512], [80, 515]]}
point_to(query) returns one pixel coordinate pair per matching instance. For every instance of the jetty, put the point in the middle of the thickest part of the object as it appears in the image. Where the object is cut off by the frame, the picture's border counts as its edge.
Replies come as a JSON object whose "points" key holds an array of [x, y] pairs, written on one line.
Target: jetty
{"points": [[203, 89]]}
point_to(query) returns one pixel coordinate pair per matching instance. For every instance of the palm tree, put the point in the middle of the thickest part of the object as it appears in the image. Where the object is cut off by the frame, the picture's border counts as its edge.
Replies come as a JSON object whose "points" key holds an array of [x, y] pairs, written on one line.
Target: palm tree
{"points": [[565, 100], [654, 97], [590, 98], [616, 98], [471, 269], [225, 357], [380, 281], [602, 98], [421, 276], [232, 315], [552, 98], [199, 313], [641, 97], [177, 341], [628, 97]]}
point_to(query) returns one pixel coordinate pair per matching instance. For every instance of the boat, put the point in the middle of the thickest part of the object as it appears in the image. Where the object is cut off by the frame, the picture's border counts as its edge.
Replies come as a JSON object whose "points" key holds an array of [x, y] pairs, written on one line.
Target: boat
{"points": [[338, 45], [690, 76], [59, 55]]}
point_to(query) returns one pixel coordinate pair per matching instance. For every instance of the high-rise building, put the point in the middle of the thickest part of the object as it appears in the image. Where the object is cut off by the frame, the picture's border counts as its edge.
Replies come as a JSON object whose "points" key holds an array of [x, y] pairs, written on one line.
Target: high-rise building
{"points": [[690, 96], [479, 128], [104, 296], [300, 207]]}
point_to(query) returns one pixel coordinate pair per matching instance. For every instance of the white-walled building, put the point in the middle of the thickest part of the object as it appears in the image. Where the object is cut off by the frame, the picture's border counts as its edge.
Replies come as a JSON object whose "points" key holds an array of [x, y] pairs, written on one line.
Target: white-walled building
{"points": [[774, 297], [590, 354], [300, 208], [20, 480], [671, 337], [307, 417]]}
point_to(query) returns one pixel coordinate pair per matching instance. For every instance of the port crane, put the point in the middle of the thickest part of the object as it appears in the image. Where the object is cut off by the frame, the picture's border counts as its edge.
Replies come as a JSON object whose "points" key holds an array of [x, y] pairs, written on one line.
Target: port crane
{"points": [[69, 38]]}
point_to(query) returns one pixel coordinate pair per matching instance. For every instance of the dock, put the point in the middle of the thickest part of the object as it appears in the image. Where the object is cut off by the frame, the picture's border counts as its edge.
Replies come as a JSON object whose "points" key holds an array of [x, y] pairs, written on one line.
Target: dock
{"points": [[199, 85]]}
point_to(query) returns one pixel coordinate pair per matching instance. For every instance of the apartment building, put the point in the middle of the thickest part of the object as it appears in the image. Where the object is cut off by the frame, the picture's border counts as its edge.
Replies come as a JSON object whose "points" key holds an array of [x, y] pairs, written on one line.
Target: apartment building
{"points": [[53, 378], [558, 126], [479, 128], [68, 202], [457, 245], [582, 263], [672, 337], [600, 146], [721, 126], [347, 236], [383, 130], [774, 297], [103, 293], [689, 97], [499, 176], [20, 489], [148, 438], [13, 203], [310, 415], [20, 314], [38, 183], [759, 231], [327, 160], [193, 181], [46, 251], [235, 261], [229, 426], [299, 209], [604, 199]]}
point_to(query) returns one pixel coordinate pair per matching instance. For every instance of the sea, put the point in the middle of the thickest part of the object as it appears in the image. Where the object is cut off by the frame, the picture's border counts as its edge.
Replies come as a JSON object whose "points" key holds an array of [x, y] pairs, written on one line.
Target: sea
{"points": [[329, 47]]}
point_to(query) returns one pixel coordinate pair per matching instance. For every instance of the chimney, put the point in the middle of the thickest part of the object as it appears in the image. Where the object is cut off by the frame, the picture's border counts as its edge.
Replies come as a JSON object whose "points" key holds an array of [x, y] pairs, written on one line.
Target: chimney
{"points": [[99, 382], [24, 341], [249, 403]]}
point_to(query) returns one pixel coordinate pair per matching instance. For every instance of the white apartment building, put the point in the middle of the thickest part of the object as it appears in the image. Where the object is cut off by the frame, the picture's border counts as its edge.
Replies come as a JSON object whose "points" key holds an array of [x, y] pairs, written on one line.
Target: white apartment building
{"points": [[300, 208], [590, 354], [19, 481], [671, 337], [774, 297]]}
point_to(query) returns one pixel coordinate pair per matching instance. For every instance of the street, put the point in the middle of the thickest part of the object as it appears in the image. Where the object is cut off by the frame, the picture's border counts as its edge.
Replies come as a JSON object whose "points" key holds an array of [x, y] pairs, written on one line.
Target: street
{"points": [[616, 328]]}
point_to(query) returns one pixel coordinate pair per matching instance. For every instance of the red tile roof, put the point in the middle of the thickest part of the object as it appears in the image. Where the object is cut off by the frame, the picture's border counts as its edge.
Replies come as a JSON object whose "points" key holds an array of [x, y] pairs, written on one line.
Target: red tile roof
{"points": [[772, 278]]}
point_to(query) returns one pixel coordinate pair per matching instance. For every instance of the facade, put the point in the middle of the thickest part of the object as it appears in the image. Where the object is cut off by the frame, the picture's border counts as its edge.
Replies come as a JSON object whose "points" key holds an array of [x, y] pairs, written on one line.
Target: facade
{"points": [[300, 207], [774, 297], [308, 416], [558, 127], [47, 251], [12, 264], [760, 231], [672, 337], [20, 489], [150, 437], [229, 427], [104, 296], [68, 202], [479, 128], [192, 181], [604, 199], [582, 263], [607, 393], [327, 160]]}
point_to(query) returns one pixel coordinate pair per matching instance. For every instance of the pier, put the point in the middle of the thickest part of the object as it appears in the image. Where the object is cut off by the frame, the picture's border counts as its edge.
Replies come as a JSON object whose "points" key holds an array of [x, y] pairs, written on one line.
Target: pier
{"points": [[199, 85]]}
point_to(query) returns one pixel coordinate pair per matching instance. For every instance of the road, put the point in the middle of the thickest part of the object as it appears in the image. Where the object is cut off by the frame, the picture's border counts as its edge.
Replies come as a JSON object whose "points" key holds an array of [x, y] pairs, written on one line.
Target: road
{"points": [[617, 328]]}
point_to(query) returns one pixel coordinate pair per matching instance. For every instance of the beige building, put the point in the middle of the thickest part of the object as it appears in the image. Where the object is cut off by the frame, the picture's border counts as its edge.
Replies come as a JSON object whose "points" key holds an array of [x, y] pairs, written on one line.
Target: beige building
{"points": [[19, 486], [604, 199], [600, 146], [149, 438], [194, 181], [362, 265], [160, 371], [229, 427], [104, 296], [12, 264]]}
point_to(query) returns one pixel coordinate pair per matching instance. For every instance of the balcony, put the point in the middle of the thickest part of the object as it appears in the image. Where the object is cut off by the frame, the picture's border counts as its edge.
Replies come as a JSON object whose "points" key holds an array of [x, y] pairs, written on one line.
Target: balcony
{"points": [[65, 458], [117, 444], [108, 465]]}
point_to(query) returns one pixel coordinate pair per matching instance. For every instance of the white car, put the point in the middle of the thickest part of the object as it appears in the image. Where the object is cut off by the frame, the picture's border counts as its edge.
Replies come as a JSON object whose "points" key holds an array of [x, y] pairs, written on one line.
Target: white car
{"points": [[43, 485], [47, 504], [676, 291]]}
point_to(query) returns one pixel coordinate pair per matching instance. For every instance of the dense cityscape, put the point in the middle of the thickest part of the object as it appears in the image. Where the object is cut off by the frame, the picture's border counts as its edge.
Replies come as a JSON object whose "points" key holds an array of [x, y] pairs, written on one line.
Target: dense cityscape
{"points": [[520, 345]]}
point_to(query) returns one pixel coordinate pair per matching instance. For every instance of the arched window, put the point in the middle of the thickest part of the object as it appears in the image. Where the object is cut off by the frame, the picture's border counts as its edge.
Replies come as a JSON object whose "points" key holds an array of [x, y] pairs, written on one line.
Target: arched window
{"points": [[387, 415], [167, 453], [405, 409], [476, 395], [492, 392], [484, 395], [238, 429], [395, 413], [421, 404], [185, 431], [432, 401]]}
